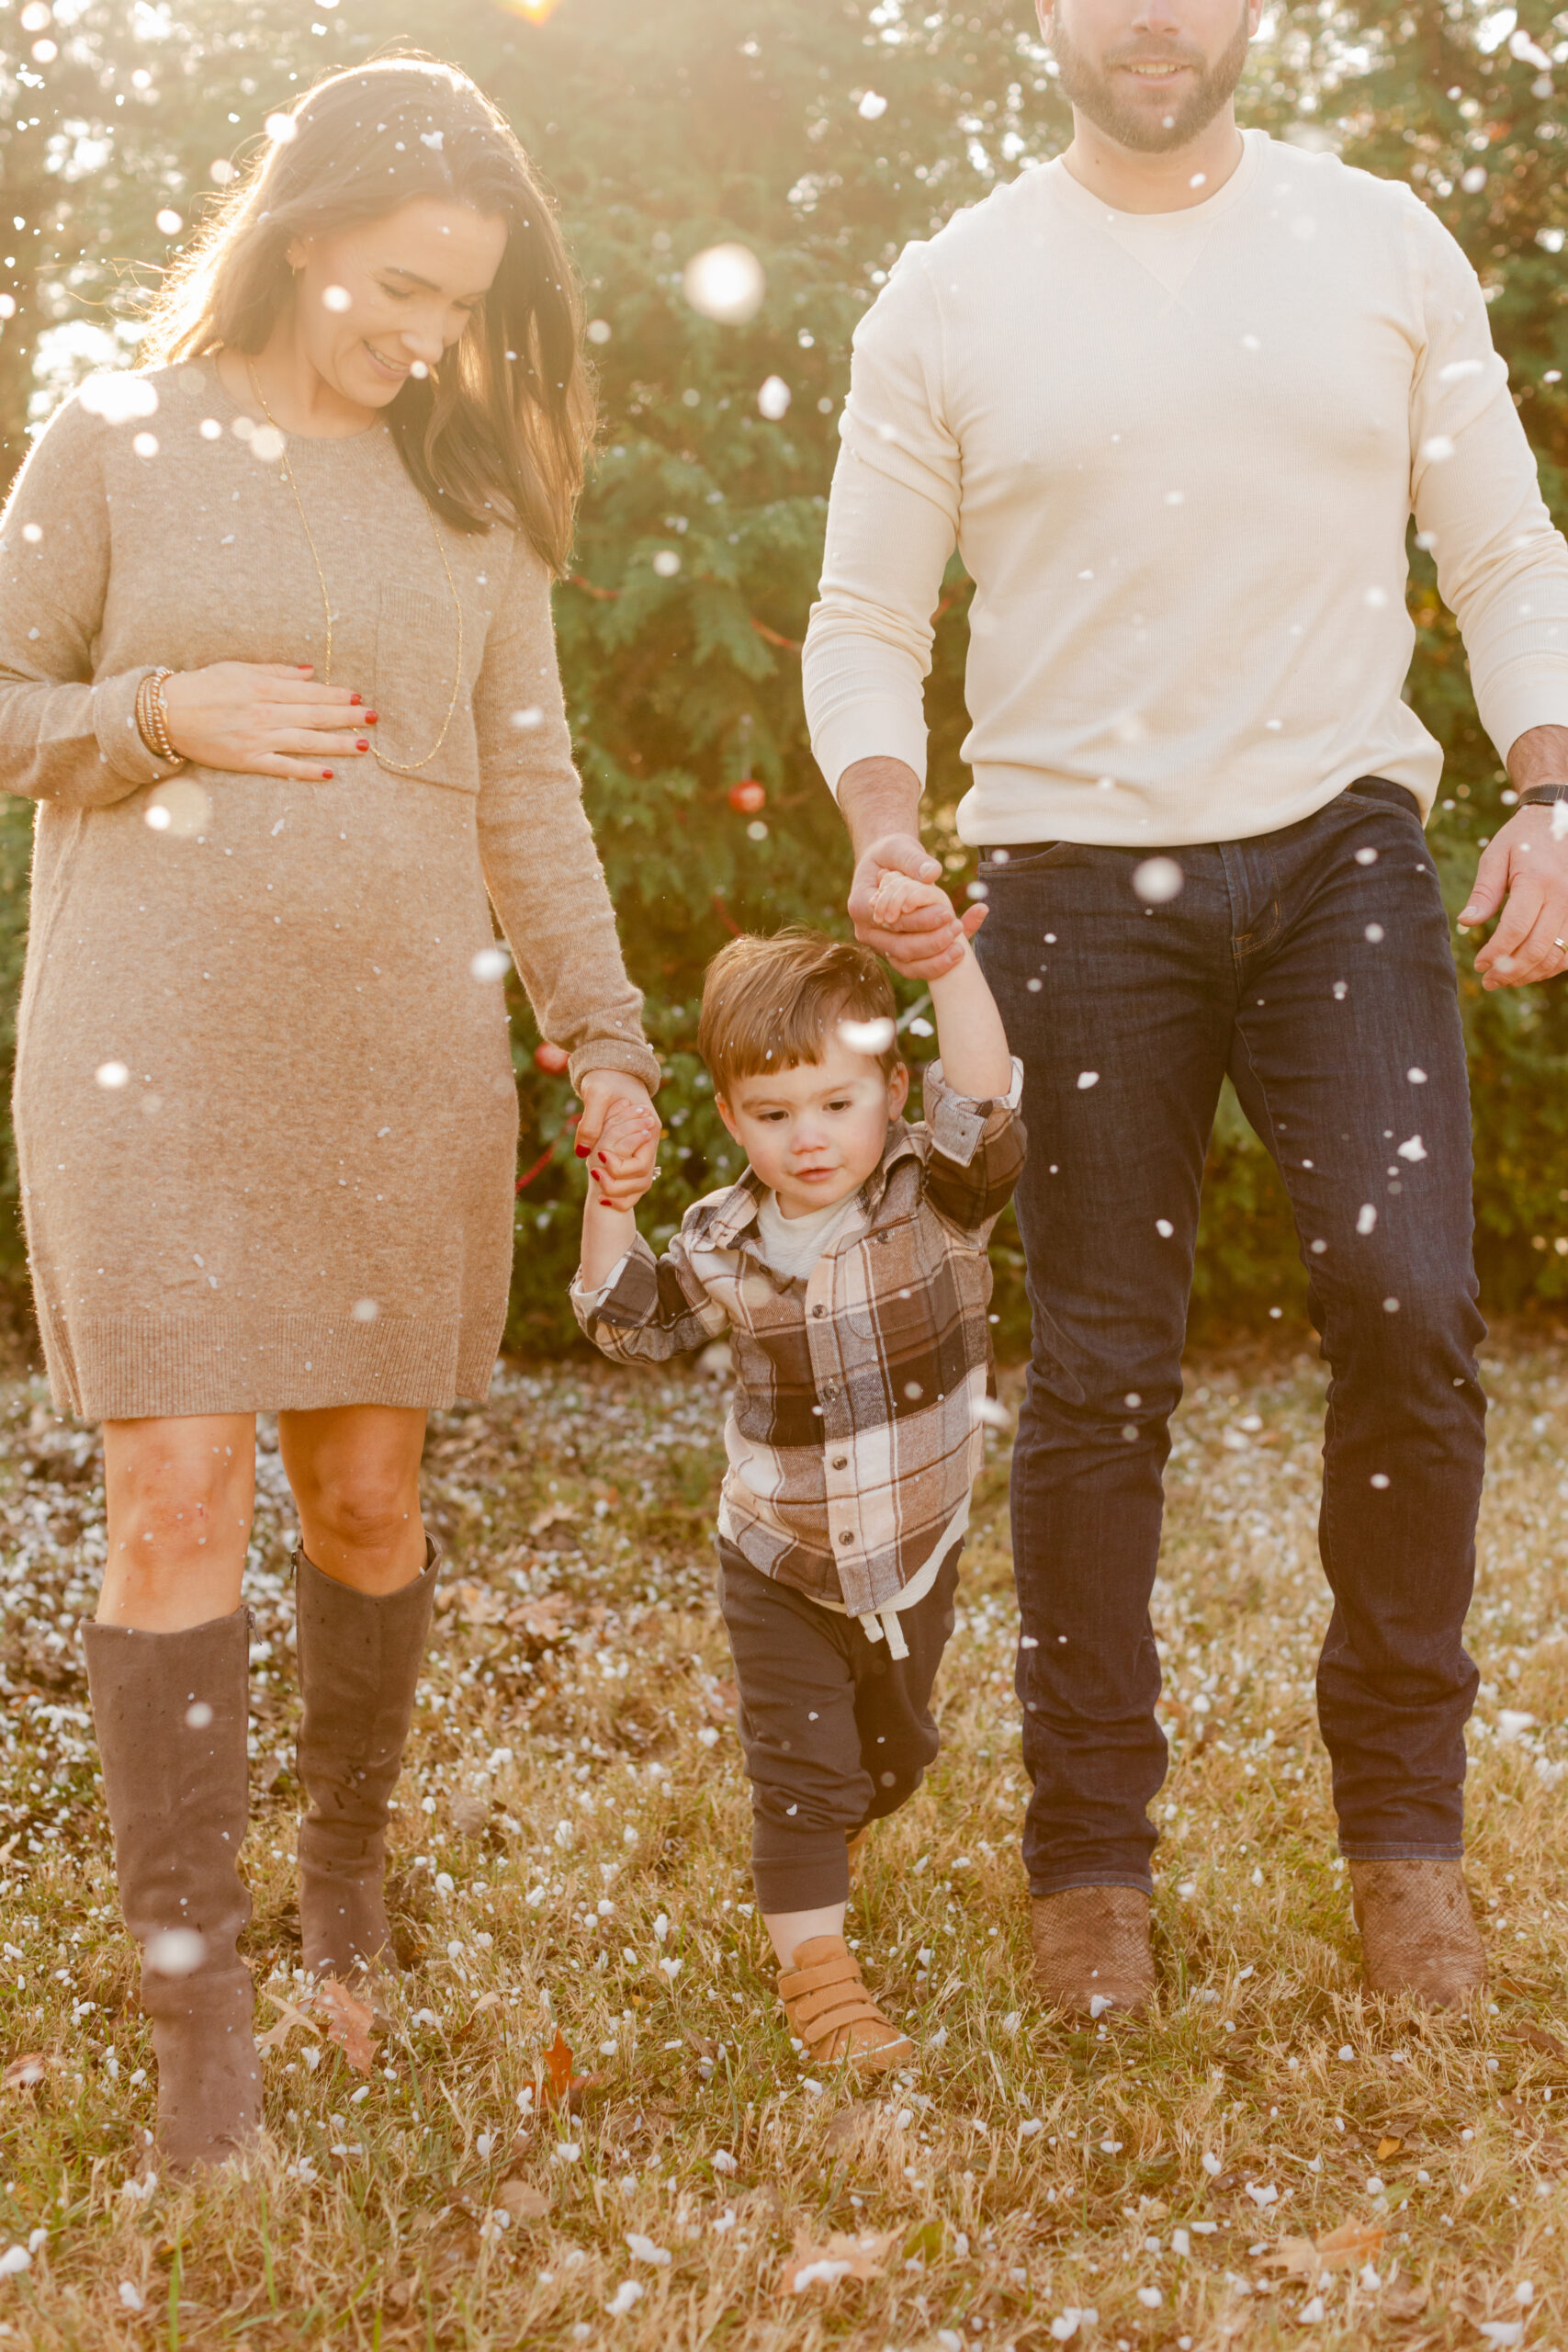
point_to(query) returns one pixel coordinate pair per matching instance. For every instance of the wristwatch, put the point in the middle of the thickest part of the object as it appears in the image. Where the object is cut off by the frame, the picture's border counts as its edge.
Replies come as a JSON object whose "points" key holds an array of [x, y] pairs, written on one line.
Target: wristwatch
{"points": [[1537, 796]]}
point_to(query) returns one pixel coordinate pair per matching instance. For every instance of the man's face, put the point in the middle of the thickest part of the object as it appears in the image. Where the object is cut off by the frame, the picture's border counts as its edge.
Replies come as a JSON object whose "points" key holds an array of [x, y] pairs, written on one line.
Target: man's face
{"points": [[1151, 75]]}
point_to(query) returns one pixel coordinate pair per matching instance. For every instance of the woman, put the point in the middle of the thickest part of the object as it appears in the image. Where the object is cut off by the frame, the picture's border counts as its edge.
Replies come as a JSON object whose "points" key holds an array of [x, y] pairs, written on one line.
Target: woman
{"points": [[277, 662]]}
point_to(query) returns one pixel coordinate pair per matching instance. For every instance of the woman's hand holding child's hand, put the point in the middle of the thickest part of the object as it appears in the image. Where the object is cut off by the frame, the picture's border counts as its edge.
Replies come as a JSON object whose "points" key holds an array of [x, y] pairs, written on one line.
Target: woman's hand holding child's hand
{"points": [[625, 1157]]}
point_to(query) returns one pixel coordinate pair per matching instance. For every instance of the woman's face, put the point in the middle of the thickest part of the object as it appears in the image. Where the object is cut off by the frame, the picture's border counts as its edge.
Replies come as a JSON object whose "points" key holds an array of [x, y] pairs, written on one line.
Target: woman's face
{"points": [[378, 300]]}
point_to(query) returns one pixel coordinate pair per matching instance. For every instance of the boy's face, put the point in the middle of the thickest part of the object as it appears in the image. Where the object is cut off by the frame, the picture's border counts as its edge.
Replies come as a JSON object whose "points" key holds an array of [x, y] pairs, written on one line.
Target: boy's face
{"points": [[815, 1133]]}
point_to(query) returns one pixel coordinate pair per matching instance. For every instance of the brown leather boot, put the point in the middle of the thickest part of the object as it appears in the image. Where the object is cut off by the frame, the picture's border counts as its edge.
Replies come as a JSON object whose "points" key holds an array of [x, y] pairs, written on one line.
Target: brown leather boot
{"points": [[1091, 1950], [828, 2006], [170, 1711], [1418, 1933], [359, 1661]]}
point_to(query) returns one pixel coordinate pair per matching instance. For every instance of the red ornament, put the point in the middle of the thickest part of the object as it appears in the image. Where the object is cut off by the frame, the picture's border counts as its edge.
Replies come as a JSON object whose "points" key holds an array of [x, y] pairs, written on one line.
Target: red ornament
{"points": [[746, 797], [553, 1059]]}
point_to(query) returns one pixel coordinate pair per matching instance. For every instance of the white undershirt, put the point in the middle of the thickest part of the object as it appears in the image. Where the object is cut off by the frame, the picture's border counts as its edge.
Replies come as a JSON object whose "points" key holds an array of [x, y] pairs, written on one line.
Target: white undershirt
{"points": [[792, 1245]]}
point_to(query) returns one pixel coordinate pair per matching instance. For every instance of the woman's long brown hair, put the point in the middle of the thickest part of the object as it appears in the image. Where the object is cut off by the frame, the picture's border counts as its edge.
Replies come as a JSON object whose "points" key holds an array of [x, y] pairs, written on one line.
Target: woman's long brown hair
{"points": [[502, 425]]}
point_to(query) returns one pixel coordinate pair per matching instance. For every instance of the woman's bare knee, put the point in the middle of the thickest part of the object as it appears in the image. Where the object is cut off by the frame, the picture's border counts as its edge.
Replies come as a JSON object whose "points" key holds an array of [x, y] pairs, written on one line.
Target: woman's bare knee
{"points": [[364, 1512], [180, 1494], [354, 1472]]}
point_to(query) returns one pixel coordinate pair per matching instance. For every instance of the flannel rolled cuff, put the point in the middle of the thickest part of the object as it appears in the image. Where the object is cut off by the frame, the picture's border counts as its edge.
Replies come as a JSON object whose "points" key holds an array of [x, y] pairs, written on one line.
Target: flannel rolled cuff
{"points": [[626, 1295], [958, 1122]]}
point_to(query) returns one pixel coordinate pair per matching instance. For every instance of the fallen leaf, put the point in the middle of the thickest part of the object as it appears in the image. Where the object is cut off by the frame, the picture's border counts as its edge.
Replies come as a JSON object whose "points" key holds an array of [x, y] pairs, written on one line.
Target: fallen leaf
{"points": [[1535, 2036], [702, 2045], [546, 1620], [522, 2201], [565, 2088], [722, 1699], [348, 2024], [1297, 2257], [25, 2074], [850, 2123], [291, 2015], [1387, 2148], [476, 1604], [552, 1515], [842, 2258], [469, 1812], [1349, 2245], [557, 2062], [1403, 2302]]}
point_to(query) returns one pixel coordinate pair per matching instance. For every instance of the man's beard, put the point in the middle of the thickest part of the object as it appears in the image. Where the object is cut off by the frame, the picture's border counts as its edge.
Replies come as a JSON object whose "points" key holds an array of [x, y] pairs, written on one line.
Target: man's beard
{"points": [[1090, 89]]}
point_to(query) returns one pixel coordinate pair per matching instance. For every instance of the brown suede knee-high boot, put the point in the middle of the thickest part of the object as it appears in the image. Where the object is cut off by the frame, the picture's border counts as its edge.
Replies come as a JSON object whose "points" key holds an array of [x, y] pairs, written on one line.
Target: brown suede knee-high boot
{"points": [[170, 1711], [359, 1661]]}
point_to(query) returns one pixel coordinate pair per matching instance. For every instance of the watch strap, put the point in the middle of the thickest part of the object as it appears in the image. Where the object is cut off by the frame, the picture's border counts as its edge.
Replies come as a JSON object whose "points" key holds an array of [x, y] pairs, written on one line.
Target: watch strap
{"points": [[1538, 796]]}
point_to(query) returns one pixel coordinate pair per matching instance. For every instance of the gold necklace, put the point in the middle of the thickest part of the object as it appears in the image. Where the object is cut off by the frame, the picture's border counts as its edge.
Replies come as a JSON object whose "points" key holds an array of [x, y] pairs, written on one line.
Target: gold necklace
{"points": [[398, 767]]}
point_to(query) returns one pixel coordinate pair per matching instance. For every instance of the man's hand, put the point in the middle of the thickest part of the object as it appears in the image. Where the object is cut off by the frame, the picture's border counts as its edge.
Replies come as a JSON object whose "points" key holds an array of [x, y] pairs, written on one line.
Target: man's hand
{"points": [[1524, 872], [880, 800], [925, 938]]}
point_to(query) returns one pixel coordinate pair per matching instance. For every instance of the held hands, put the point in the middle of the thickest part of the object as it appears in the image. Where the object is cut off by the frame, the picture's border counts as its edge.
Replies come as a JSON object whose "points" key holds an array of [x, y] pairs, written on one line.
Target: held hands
{"points": [[898, 910], [1524, 873], [622, 1145], [265, 718]]}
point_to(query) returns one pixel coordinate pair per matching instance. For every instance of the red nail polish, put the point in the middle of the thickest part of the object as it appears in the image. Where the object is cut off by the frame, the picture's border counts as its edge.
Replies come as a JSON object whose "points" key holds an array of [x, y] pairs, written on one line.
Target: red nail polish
{"points": [[371, 717], [581, 1149], [326, 776], [362, 744], [355, 700]]}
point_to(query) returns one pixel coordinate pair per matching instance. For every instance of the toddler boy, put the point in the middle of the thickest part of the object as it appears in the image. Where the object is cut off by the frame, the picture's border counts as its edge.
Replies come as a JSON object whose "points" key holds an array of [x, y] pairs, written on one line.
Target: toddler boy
{"points": [[848, 1268]]}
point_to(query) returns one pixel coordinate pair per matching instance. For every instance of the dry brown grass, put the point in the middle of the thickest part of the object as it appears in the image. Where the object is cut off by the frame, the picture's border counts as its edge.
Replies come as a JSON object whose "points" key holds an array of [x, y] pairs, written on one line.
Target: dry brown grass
{"points": [[571, 1852]]}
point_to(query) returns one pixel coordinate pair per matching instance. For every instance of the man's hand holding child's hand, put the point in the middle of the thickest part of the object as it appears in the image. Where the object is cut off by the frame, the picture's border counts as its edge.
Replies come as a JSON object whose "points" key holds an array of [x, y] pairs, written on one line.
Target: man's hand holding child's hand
{"points": [[626, 1156], [899, 894]]}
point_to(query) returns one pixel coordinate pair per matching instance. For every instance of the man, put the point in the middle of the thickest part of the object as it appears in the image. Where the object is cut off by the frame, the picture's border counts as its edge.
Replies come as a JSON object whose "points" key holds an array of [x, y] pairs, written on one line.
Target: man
{"points": [[1175, 397]]}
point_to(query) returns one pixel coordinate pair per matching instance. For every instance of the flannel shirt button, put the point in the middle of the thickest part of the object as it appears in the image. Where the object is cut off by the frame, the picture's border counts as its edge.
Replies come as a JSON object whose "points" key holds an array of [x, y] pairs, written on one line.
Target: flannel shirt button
{"points": [[820, 1310], [841, 1461], [846, 1537]]}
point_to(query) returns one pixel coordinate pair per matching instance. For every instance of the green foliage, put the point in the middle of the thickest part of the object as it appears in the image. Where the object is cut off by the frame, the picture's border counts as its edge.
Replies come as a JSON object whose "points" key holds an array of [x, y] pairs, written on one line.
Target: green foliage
{"points": [[665, 130]]}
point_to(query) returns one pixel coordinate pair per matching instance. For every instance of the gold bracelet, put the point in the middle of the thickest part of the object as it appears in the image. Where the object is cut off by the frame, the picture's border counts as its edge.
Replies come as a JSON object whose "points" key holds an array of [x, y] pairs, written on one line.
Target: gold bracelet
{"points": [[141, 720], [152, 717]]}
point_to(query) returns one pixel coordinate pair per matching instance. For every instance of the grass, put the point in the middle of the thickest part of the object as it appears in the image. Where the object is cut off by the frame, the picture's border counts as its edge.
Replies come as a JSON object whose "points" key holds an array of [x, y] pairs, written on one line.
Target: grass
{"points": [[571, 1855]]}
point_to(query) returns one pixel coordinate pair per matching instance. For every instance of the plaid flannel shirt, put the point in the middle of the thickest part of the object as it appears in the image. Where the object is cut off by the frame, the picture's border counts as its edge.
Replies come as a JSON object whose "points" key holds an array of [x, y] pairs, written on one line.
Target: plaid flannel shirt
{"points": [[854, 1433]]}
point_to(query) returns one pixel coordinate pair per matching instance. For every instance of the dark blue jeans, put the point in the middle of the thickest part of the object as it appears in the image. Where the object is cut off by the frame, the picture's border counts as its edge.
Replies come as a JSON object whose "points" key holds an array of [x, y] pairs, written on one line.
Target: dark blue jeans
{"points": [[1313, 966]]}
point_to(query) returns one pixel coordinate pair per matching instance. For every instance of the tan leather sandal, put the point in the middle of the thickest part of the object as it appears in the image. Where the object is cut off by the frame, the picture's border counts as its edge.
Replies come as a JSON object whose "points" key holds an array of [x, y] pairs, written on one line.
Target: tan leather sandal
{"points": [[830, 2009]]}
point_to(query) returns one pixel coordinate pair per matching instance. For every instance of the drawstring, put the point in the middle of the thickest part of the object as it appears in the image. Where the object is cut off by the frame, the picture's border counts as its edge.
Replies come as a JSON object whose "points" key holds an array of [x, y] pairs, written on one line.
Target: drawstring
{"points": [[876, 1624]]}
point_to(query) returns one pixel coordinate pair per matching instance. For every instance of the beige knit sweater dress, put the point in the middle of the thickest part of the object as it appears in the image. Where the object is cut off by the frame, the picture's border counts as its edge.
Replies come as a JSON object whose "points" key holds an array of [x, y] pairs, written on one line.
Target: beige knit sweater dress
{"points": [[264, 1102]]}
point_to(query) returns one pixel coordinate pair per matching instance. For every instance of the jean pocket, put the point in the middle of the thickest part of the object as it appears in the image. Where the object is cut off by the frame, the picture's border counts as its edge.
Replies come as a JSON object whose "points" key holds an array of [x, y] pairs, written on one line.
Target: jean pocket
{"points": [[1027, 857]]}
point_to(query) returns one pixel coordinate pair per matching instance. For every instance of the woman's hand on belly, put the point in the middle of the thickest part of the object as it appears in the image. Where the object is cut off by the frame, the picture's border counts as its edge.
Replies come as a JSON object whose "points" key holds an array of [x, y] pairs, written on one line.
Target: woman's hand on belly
{"points": [[265, 718]]}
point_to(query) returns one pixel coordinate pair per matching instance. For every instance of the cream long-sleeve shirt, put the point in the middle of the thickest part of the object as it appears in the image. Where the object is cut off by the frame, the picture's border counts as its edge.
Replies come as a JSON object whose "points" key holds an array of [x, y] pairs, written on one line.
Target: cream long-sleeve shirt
{"points": [[1179, 453]]}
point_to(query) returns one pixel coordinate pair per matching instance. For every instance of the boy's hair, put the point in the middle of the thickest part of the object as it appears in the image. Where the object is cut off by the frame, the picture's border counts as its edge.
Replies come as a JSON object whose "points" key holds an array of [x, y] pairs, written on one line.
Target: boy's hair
{"points": [[774, 1004]]}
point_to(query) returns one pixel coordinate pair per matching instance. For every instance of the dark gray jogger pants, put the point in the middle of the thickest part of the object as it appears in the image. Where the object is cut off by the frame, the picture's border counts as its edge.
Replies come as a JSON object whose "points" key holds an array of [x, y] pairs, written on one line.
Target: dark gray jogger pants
{"points": [[836, 1732]]}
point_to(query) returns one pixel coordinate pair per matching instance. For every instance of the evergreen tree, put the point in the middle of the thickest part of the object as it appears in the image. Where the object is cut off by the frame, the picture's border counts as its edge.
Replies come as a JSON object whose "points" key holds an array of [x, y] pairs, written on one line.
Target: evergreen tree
{"points": [[821, 135]]}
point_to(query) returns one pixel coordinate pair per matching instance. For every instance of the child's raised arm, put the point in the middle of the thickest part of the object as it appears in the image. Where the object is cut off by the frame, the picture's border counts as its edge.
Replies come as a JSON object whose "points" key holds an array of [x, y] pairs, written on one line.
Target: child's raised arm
{"points": [[970, 1037], [619, 1174]]}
